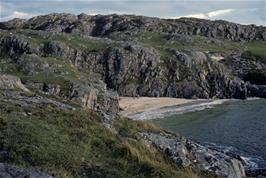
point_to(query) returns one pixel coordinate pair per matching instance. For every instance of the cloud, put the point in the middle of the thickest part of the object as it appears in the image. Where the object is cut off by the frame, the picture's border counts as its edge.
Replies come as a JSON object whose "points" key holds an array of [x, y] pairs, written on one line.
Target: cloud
{"points": [[208, 15], [239, 11], [219, 12], [17, 14]]}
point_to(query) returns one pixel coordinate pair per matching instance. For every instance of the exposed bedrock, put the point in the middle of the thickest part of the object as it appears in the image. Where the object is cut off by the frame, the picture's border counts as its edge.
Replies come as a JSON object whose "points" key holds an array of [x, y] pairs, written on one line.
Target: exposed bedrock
{"points": [[185, 152], [107, 25]]}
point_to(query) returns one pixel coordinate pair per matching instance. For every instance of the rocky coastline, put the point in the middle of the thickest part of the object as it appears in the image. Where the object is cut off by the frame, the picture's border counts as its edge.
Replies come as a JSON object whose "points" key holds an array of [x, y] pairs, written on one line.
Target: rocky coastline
{"points": [[66, 65]]}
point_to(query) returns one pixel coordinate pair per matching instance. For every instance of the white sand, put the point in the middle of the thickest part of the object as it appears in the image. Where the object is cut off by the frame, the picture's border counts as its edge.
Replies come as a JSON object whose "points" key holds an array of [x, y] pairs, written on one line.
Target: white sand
{"points": [[131, 106]]}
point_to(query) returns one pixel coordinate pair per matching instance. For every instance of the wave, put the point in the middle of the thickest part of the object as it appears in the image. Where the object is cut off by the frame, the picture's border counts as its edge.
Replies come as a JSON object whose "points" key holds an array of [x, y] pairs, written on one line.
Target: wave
{"points": [[252, 165], [175, 110], [253, 98]]}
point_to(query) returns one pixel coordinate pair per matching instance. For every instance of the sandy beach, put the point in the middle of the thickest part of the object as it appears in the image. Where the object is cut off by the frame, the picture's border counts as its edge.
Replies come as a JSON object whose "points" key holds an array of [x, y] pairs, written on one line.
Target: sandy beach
{"points": [[131, 105], [143, 108]]}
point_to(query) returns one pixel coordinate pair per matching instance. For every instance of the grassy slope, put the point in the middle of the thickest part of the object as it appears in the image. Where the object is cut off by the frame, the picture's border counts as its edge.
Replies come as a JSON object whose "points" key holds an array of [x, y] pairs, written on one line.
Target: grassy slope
{"points": [[73, 41], [159, 42], [75, 144]]}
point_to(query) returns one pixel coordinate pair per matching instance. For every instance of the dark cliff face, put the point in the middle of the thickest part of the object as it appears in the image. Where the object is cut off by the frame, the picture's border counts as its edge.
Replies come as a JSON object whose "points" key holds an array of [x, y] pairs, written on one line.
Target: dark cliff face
{"points": [[142, 56]]}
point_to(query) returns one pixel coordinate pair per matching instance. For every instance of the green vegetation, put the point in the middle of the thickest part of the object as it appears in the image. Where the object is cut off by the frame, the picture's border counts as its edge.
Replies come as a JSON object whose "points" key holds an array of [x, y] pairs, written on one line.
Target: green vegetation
{"points": [[34, 69], [257, 48], [74, 144], [73, 41], [160, 43]]}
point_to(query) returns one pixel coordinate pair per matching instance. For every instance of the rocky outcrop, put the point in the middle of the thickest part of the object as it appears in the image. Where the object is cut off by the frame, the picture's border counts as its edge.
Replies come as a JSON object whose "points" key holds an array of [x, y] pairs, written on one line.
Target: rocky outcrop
{"points": [[9, 171], [87, 61], [138, 71], [13, 46], [8, 82], [185, 153], [257, 90], [95, 98], [131, 69], [242, 65], [58, 78], [128, 24], [220, 29], [24, 100]]}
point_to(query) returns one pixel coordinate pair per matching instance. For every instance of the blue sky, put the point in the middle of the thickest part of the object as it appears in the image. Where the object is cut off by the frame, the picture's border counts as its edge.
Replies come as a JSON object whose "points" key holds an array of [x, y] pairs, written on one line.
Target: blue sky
{"points": [[239, 11]]}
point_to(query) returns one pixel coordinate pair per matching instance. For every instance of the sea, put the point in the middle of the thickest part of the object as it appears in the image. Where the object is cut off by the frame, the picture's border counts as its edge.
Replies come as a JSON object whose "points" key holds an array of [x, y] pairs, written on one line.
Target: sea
{"points": [[237, 127]]}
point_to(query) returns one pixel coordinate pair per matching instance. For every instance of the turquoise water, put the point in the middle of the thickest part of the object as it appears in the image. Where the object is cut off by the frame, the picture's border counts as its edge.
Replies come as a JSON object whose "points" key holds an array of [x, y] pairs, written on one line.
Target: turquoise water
{"points": [[240, 126]]}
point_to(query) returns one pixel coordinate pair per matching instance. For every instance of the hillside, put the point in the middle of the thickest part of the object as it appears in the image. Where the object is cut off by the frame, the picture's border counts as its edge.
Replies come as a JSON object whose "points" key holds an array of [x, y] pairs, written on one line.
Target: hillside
{"points": [[137, 56], [61, 76]]}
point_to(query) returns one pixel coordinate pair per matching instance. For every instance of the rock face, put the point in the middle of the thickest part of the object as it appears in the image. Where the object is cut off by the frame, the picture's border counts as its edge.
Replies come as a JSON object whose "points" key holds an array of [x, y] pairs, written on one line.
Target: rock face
{"points": [[257, 91], [54, 77], [130, 69], [107, 25], [185, 152], [135, 70], [86, 61], [8, 171], [22, 99], [244, 65]]}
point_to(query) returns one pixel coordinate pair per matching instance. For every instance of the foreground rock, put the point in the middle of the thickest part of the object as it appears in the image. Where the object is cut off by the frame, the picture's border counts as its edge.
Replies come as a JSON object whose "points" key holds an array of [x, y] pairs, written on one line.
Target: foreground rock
{"points": [[9, 171], [185, 153]]}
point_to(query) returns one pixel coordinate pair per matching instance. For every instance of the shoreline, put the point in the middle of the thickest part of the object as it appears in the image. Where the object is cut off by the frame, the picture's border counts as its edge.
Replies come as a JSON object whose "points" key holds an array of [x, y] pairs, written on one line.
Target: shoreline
{"points": [[146, 108]]}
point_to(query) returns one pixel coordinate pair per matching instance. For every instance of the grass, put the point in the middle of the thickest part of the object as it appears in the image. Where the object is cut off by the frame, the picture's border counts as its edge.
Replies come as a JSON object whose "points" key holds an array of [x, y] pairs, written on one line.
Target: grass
{"points": [[129, 128], [159, 42], [198, 43], [257, 48], [73, 41], [67, 143], [75, 144], [62, 74]]}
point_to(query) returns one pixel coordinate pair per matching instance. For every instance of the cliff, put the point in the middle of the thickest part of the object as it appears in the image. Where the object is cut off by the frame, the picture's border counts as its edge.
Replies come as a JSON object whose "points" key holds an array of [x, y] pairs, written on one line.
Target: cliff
{"points": [[61, 76]]}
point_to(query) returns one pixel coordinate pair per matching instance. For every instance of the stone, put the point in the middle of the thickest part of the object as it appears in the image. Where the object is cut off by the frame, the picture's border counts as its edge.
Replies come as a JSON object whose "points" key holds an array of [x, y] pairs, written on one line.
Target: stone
{"points": [[9, 171], [8, 82], [185, 152]]}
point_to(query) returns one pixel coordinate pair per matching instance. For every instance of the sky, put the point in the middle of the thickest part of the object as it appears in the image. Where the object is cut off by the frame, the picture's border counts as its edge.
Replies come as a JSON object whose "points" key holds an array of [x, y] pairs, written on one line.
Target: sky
{"points": [[239, 11]]}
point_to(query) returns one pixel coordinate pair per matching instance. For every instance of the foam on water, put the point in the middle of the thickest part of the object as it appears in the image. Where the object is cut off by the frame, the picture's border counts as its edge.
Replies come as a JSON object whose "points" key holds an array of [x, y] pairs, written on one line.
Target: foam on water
{"points": [[250, 163], [175, 110]]}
